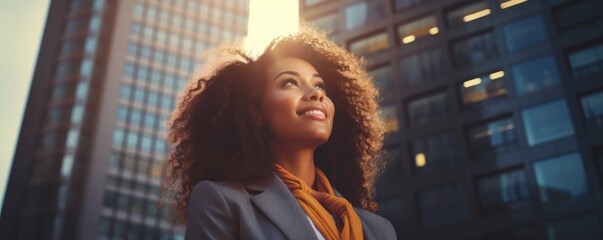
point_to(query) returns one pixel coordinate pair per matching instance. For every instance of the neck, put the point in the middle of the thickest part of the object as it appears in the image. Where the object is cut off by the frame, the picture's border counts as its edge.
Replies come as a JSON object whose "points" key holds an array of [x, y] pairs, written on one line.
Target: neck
{"points": [[298, 161]]}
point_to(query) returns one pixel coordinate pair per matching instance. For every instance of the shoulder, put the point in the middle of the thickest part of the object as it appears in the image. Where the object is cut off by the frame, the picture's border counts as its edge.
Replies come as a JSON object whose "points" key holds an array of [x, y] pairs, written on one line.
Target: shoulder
{"points": [[208, 191], [376, 225]]}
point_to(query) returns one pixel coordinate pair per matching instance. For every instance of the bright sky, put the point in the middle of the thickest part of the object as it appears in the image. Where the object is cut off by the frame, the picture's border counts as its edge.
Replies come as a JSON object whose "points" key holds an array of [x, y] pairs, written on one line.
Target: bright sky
{"points": [[269, 19], [21, 26]]}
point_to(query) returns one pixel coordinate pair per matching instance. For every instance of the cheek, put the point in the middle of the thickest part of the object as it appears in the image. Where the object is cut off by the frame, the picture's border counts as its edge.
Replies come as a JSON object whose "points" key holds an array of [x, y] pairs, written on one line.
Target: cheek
{"points": [[277, 106]]}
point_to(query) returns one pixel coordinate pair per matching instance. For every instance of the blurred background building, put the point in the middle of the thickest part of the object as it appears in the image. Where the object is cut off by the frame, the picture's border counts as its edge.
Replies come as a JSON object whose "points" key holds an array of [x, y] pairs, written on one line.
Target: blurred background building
{"points": [[87, 163], [495, 112]]}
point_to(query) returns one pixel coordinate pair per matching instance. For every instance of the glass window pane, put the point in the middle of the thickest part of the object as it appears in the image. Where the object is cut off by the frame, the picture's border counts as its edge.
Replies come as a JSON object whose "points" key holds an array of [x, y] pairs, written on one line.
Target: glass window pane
{"points": [[434, 153], [535, 75], [587, 61], [384, 81], [422, 67], [483, 88], [443, 205], [525, 233], [359, 14], [370, 44], [503, 189], [428, 109], [401, 4], [467, 13], [329, 23], [417, 29], [475, 50], [525, 32], [585, 227], [492, 138], [547, 122], [390, 115], [560, 178], [396, 211], [592, 109]]}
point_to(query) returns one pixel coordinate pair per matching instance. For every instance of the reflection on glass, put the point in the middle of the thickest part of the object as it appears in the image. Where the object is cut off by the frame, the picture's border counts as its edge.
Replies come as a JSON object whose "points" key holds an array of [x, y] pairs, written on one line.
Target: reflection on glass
{"points": [[428, 109], [535, 75], [592, 109], [390, 116], [586, 61], [483, 88], [359, 14], [443, 205], [503, 189], [328, 23], [461, 15], [434, 153], [475, 50], [384, 81], [422, 67], [581, 227], [560, 178], [547, 122], [504, 4], [417, 29], [370, 44], [496, 137], [525, 32]]}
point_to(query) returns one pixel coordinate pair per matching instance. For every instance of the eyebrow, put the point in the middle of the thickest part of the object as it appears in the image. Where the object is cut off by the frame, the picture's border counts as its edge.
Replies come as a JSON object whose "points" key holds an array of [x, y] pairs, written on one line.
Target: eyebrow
{"points": [[315, 75]]}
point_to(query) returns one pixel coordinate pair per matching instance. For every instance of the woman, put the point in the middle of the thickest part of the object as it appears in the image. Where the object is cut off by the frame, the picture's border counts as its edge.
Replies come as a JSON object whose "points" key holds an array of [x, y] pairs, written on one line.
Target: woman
{"points": [[279, 147]]}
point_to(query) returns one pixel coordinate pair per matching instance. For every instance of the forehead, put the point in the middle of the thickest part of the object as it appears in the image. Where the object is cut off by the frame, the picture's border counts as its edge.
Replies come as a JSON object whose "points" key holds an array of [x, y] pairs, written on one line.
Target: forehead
{"points": [[290, 64]]}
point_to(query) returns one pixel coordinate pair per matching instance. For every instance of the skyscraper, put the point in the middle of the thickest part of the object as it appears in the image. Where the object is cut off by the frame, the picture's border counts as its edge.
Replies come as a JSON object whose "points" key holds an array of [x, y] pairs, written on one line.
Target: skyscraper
{"points": [[87, 163], [495, 112]]}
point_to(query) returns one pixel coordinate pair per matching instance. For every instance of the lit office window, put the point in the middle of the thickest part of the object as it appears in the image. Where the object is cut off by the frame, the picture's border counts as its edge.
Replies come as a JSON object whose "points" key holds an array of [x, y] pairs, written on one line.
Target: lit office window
{"points": [[580, 227], [467, 13], [504, 4], [547, 122], [422, 67], [370, 44], [428, 109], [402, 4], [592, 109], [417, 29], [525, 32], [587, 61], [503, 189], [483, 88], [535, 75], [434, 153], [359, 14], [443, 205], [492, 138], [384, 81], [329, 22], [560, 178], [475, 50]]}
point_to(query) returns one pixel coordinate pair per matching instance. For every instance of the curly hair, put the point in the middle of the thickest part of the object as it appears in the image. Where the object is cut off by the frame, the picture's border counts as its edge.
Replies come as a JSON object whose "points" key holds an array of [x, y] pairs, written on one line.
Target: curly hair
{"points": [[215, 135]]}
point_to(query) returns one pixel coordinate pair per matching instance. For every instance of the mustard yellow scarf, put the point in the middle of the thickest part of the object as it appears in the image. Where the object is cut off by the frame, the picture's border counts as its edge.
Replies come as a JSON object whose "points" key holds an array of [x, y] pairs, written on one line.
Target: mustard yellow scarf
{"points": [[318, 204]]}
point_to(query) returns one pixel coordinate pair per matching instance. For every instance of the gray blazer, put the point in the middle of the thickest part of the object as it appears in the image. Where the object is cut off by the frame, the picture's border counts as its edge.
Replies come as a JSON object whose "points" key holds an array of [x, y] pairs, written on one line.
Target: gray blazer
{"points": [[260, 210]]}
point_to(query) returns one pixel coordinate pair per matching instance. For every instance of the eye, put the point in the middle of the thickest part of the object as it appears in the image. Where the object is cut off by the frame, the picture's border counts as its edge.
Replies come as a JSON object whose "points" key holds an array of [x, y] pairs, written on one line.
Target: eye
{"points": [[290, 82], [320, 85]]}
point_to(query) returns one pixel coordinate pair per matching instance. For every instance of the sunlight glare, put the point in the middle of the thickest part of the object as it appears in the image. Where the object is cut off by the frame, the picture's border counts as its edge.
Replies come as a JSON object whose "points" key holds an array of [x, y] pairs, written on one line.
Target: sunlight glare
{"points": [[269, 19]]}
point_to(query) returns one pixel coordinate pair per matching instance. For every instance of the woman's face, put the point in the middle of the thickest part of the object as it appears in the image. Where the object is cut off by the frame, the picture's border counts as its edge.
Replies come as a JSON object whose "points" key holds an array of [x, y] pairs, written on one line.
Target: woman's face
{"points": [[294, 105]]}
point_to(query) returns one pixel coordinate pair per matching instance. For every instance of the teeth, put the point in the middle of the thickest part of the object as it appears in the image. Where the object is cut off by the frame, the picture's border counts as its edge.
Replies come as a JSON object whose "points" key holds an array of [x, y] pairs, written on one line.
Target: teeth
{"points": [[314, 112]]}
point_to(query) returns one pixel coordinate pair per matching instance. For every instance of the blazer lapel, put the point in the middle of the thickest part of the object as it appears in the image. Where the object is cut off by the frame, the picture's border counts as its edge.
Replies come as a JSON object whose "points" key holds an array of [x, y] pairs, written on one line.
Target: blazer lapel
{"points": [[280, 206]]}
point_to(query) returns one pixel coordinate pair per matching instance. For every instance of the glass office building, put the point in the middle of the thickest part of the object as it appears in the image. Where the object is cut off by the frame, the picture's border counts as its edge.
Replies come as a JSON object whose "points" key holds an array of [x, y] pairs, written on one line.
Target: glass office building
{"points": [[494, 110], [89, 154]]}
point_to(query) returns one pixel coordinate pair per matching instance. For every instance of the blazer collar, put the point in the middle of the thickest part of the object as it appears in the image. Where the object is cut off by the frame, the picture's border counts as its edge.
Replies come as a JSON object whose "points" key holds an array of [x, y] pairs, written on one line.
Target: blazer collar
{"points": [[280, 206]]}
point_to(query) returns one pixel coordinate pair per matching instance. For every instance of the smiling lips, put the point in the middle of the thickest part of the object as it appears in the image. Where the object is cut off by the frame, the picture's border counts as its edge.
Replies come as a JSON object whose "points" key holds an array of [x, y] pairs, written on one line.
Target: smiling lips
{"points": [[316, 112]]}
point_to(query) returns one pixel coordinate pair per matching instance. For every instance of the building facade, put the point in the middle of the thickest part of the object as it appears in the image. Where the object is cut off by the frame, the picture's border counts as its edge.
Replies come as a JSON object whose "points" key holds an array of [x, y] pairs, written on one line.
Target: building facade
{"points": [[89, 154], [495, 112]]}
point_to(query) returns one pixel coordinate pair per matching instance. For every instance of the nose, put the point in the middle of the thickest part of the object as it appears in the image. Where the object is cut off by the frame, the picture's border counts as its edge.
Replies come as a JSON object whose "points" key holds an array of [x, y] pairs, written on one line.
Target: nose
{"points": [[314, 94]]}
